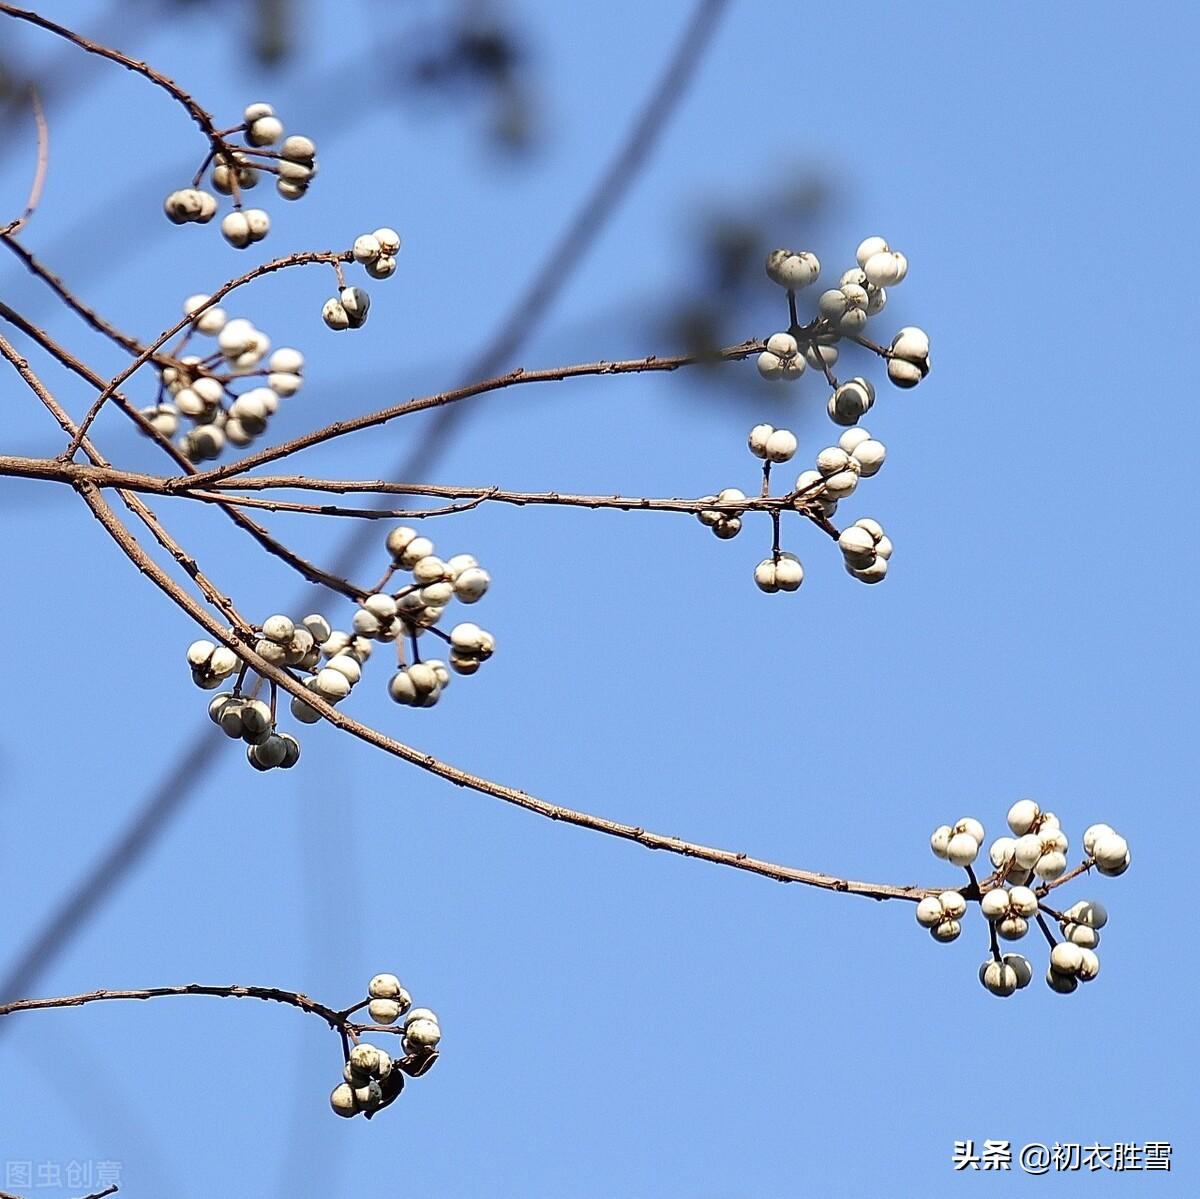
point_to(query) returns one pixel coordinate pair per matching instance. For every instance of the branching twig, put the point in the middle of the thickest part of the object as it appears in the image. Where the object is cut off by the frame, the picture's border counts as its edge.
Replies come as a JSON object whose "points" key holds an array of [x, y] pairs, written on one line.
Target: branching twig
{"points": [[55, 470], [511, 379], [309, 570], [221, 602]]}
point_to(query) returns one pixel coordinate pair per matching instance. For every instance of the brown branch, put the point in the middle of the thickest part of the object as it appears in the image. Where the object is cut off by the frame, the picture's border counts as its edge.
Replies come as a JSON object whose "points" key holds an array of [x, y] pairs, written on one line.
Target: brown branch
{"points": [[55, 470], [336, 1019], [198, 114], [39, 176], [221, 602], [301, 258], [722, 857], [512, 379], [93, 318]]}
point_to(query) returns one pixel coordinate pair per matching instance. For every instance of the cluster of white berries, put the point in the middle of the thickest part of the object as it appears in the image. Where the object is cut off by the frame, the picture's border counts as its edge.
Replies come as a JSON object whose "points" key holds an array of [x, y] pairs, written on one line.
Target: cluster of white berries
{"points": [[376, 253], [839, 467], [843, 312], [857, 455], [371, 1077], [237, 170], [866, 549], [1009, 899], [331, 660], [282, 642], [724, 524], [200, 390], [344, 655], [252, 721]]}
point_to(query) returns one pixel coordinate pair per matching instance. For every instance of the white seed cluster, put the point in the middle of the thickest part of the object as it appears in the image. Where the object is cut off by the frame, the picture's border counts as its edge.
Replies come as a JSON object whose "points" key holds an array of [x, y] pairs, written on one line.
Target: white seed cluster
{"points": [[866, 550], [371, 1078], [724, 524], [772, 444], [297, 166], [190, 205], [330, 661], [851, 401], [842, 314], [1006, 974], [1010, 901], [1107, 848], [347, 310], [284, 643], [783, 572], [235, 171], [1010, 909], [839, 468], [252, 721], [942, 914], [201, 389], [782, 358], [376, 253], [908, 362], [958, 843], [1070, 965], [210, 664]]}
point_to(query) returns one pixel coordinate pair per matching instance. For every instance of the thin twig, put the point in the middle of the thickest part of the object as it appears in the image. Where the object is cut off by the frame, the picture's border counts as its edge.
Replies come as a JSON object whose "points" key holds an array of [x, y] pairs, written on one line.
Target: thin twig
{"points": [[43, 160], [93, 318], [331, 1016], [55, 470], [198, 114], [513, 378]]}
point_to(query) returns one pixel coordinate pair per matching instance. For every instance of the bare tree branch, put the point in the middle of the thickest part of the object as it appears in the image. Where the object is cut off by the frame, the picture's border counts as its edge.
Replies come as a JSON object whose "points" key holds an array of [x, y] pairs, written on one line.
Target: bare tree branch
{"points": [[72, 473], [337, 1019], [198, 114], [512, 379]]}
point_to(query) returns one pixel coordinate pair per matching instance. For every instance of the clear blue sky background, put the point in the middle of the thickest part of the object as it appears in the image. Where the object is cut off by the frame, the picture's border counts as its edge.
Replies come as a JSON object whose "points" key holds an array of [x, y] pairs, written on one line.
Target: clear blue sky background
{"points": [[619, 1022]]}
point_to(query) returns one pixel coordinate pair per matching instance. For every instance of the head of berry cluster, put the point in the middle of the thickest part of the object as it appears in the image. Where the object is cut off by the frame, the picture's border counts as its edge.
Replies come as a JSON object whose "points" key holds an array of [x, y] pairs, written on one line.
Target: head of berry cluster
{"points": [[1027, 867]]}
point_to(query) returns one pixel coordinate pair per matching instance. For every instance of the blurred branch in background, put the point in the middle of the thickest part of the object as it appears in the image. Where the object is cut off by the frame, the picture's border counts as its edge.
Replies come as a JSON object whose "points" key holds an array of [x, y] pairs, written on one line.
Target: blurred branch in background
{"points": [[185, 777], [475, 53]]}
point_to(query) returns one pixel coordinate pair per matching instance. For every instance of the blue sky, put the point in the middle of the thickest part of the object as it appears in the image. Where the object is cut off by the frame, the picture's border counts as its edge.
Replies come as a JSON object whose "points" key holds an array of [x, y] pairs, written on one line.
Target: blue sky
{"points": [[619, 1022]]}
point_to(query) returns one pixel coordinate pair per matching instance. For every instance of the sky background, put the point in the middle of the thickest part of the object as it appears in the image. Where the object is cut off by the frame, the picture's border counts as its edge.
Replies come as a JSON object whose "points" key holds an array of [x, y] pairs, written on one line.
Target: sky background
{"points": [[618, 1022]]}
